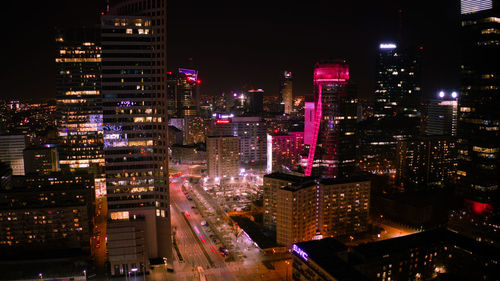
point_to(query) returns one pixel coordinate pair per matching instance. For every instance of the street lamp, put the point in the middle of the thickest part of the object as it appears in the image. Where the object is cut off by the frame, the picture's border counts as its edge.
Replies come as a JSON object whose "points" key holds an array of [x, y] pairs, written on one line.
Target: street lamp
{"points": [[40, 275], [85, 274]]}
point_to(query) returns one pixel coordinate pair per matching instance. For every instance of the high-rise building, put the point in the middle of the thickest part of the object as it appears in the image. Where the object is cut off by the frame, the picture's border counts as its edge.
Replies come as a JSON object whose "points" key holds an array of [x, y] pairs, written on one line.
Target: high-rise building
{"points": [[426, 161], [284, 151], [254, 102], [479, 113], [286, 92], [41, 160], [78, 90], [183, 95], [304, 208], [11, 152], [332, 151], [442, 115], [308, 123], [252, 138], [397, 88], [222, 157], [60, 220], [134, 93]]}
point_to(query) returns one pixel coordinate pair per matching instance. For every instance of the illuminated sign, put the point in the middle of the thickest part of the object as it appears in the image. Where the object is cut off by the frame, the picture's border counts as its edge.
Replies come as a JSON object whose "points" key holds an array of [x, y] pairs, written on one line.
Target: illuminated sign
{"points": [[187, 71], [387, 46], [300, 252], [223, 121], [473, 6]]}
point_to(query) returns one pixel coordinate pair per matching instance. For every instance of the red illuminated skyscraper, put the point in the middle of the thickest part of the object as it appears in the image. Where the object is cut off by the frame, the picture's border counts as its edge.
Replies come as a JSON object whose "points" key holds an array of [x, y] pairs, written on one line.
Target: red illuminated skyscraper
{"points": [[332, 152]]}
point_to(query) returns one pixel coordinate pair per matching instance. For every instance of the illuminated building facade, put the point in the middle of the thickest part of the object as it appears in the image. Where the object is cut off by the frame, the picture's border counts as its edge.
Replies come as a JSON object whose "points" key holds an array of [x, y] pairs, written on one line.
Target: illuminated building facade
{"points": [[134, 93], [252, 137], [222, 157], [442, 115], [78, 90], [397, 88], [286, 92], [11, 152], [479, 115], [426, 161], [46, 213], [284, 151], [332, 149], [308, 123], [302, 208]]}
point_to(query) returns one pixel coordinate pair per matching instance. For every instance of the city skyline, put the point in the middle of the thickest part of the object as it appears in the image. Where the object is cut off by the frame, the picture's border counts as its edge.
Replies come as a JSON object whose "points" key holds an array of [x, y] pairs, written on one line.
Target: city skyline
{"points": [[223, 42], [158, 140]]}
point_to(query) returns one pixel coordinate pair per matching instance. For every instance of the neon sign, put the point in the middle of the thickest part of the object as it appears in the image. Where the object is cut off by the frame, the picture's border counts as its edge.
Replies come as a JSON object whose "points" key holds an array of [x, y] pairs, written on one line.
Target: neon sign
{"points": [[300, 252], [222, 121]]}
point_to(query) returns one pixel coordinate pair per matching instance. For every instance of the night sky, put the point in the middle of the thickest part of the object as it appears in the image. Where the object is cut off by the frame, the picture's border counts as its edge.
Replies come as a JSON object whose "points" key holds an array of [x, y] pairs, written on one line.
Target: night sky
{"points": [[248, 45]]}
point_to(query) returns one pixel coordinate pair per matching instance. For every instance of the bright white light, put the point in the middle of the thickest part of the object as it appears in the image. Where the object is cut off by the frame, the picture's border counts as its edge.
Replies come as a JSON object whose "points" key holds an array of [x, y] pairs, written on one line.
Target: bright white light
{"points": [[454, 95], [387, 46], [441, 94]]}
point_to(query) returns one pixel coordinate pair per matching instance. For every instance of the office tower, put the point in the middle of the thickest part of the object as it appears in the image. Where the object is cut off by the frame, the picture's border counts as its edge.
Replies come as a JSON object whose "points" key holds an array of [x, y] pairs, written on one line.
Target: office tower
{"points": [[222, 157], [479, 114], [426, 161], [11, 152], [284, 151], [304, 208], [397, 88], [41, 160], [252, 138], [183, 95], [430, 255], [135, 130], [78, 90], [308, 123], [442, 115], [254, 102], [332, 152], [286, 92]]}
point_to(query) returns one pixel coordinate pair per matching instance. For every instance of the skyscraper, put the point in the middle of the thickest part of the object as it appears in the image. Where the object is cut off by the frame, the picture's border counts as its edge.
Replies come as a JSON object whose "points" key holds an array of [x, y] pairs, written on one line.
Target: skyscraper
{"points": [[135, 129], [397, 88], [308, 122], [183, 95], [254, 102], [479, 112], [332, 152], [286, 92], [78, 90], [442, 115]]}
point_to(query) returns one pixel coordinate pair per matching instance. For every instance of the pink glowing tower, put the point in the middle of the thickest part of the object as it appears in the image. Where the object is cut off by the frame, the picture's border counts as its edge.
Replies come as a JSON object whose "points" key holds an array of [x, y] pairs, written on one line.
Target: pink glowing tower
{"points": [[330, 81]]}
